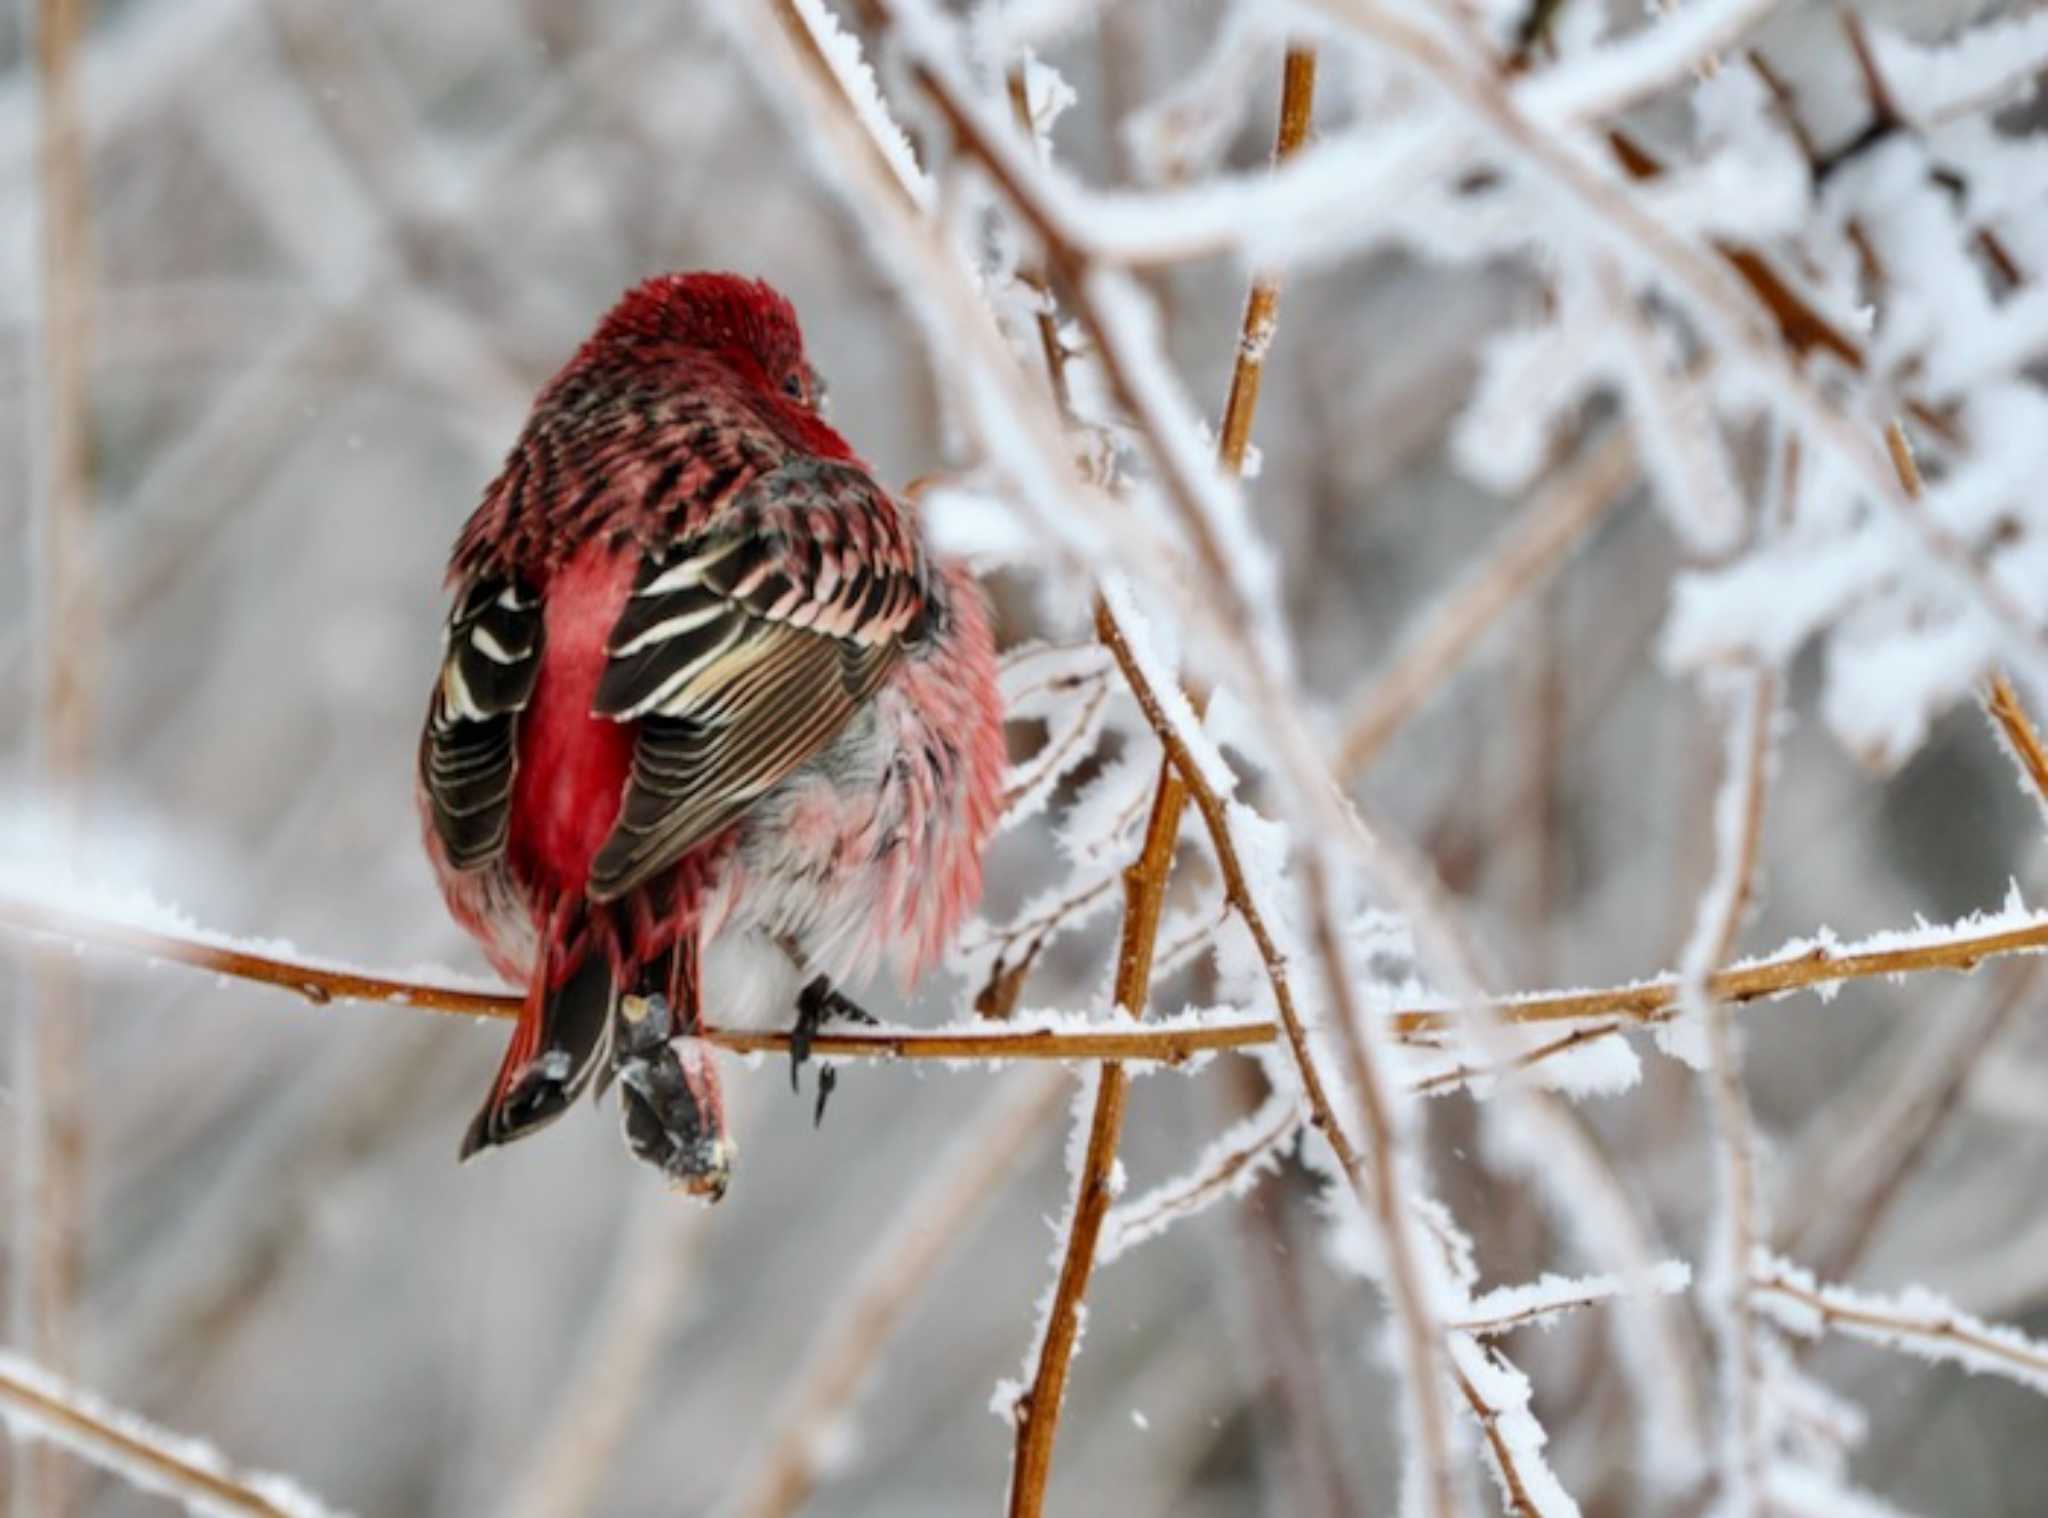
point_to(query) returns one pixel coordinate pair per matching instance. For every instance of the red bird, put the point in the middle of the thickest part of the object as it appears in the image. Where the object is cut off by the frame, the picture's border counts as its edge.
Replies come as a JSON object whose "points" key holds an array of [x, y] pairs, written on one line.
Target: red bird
{"points": [[711, 722]]}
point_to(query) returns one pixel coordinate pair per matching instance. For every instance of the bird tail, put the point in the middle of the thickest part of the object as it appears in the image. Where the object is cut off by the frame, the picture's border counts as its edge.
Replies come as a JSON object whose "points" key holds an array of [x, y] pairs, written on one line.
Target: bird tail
{"points": [[554, 1051]]}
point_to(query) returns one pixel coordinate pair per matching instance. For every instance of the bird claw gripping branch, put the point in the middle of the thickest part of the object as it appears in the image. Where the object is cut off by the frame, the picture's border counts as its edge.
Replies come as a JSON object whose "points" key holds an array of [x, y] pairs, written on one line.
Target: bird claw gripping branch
{"points": [[818, 1003], [701, 682]]}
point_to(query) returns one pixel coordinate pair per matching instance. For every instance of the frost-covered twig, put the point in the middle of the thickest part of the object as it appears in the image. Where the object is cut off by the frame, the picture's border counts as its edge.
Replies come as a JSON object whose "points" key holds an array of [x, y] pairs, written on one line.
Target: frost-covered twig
{"points": [[1686, 274], [1804, 965], [36, 1405], [931, 1222], [1916, 1320], [1527, 550], [1234, 1163], [1542, 1302]]}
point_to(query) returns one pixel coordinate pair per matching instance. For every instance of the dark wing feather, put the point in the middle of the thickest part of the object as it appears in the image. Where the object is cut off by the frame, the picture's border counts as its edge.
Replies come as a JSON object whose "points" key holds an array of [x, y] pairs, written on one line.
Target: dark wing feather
{"points": [[469, 751], [745, 650]]}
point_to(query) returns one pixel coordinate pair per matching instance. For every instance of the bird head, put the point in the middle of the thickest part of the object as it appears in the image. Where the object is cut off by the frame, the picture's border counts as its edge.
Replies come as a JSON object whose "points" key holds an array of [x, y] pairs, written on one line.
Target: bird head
{"points": [[745, 325]]}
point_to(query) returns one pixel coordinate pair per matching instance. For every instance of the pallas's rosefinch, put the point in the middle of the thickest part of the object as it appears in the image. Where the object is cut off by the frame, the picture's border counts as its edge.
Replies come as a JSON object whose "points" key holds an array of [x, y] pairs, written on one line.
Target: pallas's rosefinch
{"points": [[711, 723]]}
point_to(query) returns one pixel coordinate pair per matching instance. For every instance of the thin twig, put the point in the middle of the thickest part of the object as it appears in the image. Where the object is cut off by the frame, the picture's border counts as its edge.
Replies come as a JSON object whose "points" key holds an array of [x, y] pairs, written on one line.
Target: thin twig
{"points": [[1488, 1417], [38, 1405], [1937, 1329]]}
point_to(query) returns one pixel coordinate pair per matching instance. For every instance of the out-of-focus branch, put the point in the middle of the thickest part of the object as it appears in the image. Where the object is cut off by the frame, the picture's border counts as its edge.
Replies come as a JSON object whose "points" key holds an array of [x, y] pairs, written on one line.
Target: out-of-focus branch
{"points": [[37, 1405], [927, 1228], [1700, 282], [1385, 1146], [567, 1469], [1868, 1150], [1530, 548], [1739, 825], [50, 1117]]}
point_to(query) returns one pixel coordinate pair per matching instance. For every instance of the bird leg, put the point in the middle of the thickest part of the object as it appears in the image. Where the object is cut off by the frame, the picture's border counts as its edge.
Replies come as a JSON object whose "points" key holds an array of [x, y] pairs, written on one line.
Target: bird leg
{"points": [[668, 1093], [817, 1004]]}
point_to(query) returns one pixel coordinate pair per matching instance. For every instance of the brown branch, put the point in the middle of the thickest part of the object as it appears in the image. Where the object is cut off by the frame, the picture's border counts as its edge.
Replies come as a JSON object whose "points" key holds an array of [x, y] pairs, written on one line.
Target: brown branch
{"points": [[1297, 99], [1037, 1411], [1530, 548], [1642, 1004], [148, 1457]]}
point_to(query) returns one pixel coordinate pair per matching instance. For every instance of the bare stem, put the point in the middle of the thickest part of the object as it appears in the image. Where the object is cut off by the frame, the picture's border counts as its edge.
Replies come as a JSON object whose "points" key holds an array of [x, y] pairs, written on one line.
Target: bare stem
{"points": [[50, 1121]]}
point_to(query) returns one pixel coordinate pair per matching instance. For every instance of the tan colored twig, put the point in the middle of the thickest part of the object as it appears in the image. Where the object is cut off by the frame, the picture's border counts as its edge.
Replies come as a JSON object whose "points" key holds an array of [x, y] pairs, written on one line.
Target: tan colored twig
{"points": [[42, 1407], [929, 1225], [50, 1118], [1527, 551]]}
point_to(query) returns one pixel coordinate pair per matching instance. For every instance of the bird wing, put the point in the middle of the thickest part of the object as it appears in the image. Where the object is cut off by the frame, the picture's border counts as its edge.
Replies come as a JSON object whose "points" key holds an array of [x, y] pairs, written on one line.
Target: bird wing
{"points": [[469, 751], [745, 649]]}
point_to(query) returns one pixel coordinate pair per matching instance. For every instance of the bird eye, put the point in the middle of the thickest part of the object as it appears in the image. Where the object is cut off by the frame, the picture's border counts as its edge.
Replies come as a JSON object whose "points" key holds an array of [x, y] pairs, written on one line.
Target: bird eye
{"points": [[793, 386]]}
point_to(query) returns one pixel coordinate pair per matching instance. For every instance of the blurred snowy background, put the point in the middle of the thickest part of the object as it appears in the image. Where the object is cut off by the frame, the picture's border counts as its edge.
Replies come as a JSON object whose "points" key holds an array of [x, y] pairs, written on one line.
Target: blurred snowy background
{"points": [[334, 248]]}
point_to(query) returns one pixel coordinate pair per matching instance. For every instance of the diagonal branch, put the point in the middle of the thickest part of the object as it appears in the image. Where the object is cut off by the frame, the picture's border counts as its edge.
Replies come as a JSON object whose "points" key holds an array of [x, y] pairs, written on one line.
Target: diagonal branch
{"points": [[36, 1405]]}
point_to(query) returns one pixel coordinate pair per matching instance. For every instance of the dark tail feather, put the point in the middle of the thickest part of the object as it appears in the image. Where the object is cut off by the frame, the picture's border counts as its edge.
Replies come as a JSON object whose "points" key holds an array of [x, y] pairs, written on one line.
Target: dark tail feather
{"points": [[553, 1053]]}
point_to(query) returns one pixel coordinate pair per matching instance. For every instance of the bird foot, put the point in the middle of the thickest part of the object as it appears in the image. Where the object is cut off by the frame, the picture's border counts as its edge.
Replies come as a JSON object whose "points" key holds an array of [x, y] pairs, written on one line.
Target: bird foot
{"points": [[818, 1003], [674, 1115]]}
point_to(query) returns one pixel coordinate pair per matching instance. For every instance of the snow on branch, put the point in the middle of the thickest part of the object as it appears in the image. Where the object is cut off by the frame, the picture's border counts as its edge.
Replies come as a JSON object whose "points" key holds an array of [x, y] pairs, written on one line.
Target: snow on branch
{"points": [[35, 1405], [1915, 1321]]}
